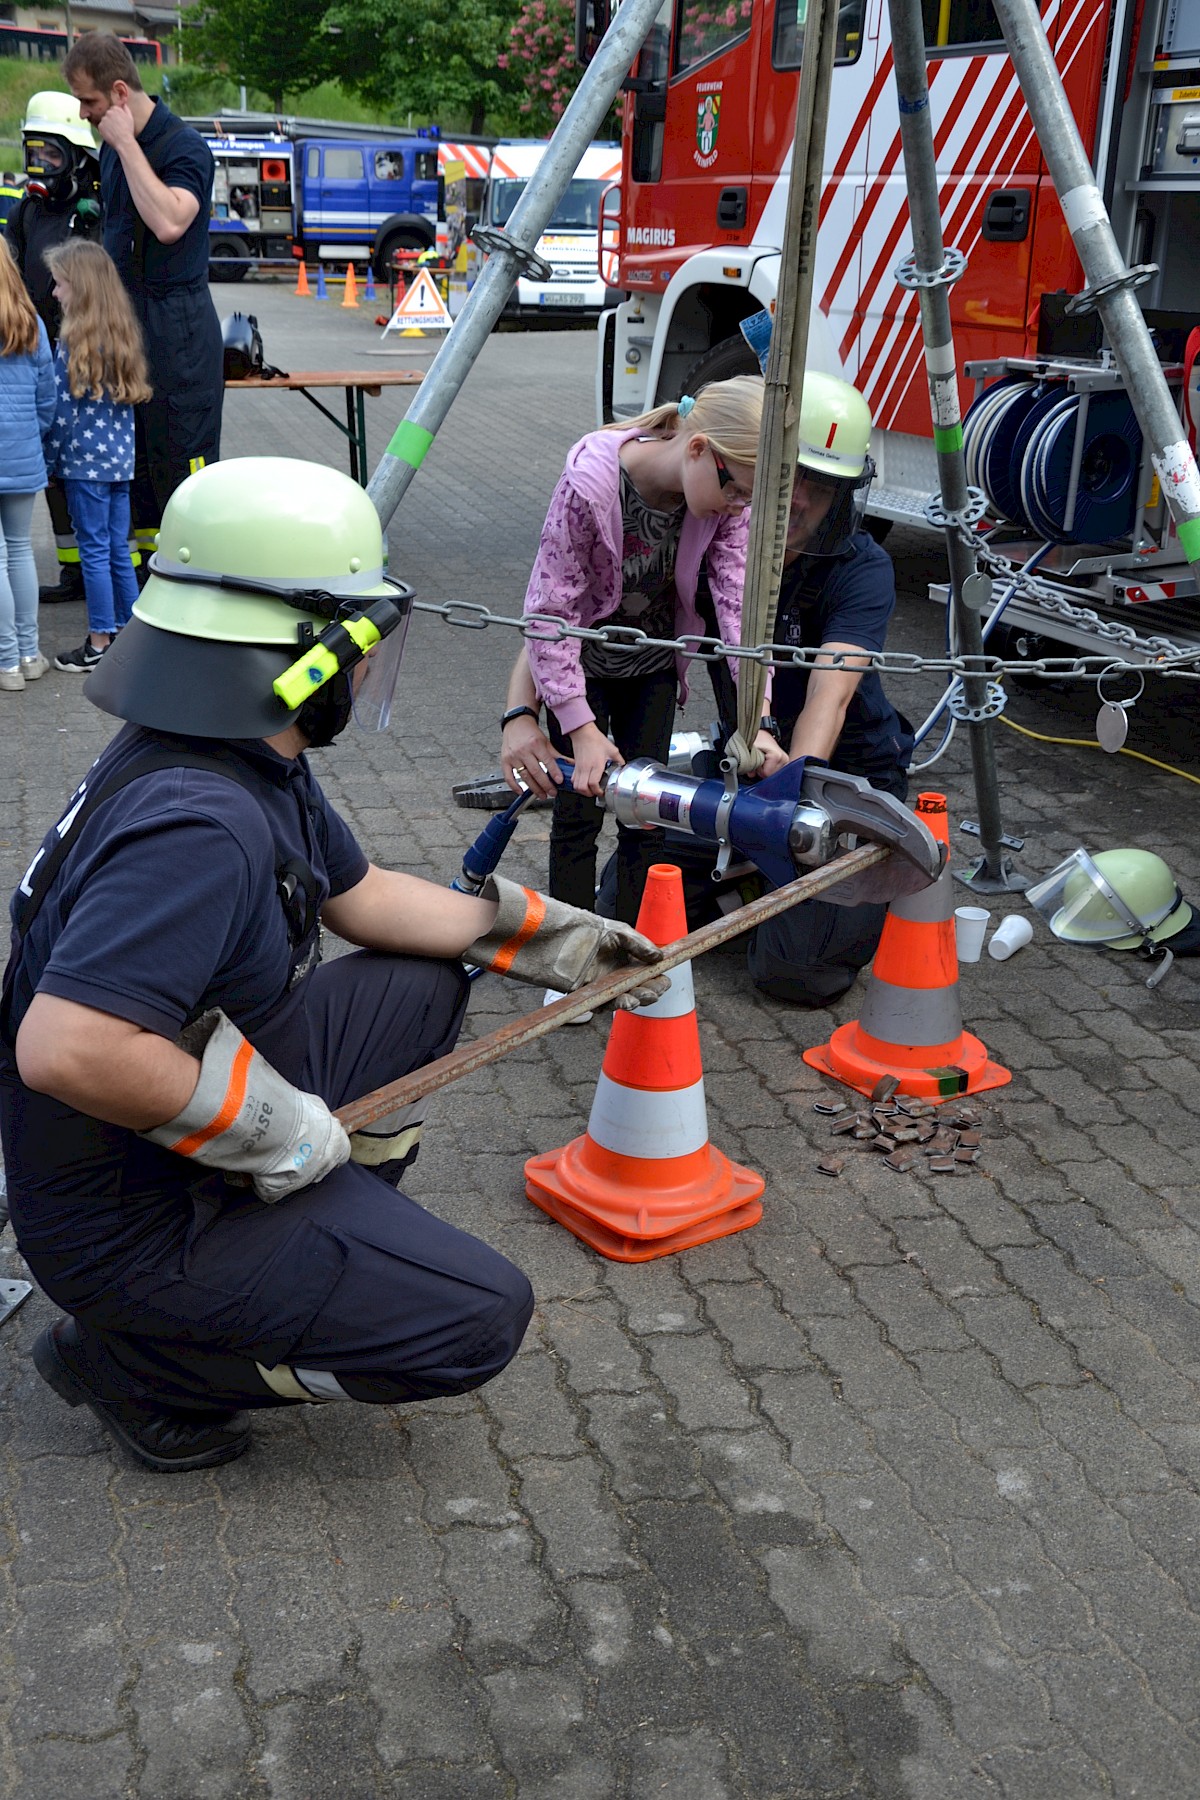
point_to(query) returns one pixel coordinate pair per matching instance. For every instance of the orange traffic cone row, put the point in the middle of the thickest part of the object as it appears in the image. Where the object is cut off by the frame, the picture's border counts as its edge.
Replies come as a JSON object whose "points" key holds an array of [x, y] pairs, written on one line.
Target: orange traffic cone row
{"points": [[351, 295], [644, 1181], [301, 288], [911, 1022]]}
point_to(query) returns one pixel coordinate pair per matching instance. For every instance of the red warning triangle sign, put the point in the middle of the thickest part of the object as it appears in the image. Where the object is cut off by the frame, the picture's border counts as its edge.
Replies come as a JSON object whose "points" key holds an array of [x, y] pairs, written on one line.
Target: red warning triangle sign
{"points": [[422, 307]]}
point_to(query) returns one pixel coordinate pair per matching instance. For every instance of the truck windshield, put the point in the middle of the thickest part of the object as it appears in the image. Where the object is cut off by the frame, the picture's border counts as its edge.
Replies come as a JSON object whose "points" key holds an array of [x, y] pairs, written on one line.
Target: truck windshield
{"points": [[578, 210]]}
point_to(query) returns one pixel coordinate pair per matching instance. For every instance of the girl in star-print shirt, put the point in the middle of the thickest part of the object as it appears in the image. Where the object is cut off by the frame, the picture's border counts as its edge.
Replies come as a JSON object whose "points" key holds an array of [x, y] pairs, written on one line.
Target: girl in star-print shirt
{"points": [[100, 369]]}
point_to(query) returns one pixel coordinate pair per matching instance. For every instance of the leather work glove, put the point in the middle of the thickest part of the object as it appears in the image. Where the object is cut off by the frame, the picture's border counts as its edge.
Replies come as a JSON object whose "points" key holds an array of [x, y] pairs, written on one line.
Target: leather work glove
{"points": [[550, 944], [245, 1118]]}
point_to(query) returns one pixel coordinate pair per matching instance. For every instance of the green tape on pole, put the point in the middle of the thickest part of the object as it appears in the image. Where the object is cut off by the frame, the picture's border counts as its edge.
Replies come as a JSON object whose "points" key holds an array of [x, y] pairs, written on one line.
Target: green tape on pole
{"points": [[411, 443], [1189, 537], [947, 439]]}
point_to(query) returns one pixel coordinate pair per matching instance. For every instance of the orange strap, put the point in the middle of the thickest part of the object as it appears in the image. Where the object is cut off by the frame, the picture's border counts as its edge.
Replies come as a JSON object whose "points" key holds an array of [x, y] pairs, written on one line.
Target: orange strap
{"points": [[231, 1106], [535, 913]]}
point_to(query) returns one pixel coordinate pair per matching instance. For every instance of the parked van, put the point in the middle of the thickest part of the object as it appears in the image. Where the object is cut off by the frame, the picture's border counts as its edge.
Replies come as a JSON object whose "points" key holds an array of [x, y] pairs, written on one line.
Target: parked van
{"points": [[571, 242]]}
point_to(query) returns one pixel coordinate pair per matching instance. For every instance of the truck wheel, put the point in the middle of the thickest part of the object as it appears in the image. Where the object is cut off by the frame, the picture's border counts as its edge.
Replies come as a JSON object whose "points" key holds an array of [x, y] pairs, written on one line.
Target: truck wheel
{"points": [[732, 356], [399, 240], [220, 265]]}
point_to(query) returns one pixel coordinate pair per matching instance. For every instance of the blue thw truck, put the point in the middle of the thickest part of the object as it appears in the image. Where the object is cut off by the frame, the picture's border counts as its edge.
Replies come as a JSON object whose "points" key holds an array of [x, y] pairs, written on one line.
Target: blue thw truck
{"points": [[287, 188]]}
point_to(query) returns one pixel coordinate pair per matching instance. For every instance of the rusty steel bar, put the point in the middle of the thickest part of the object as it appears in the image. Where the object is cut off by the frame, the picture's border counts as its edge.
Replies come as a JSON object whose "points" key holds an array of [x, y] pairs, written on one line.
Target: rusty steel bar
{"points": [[357, 1114]]}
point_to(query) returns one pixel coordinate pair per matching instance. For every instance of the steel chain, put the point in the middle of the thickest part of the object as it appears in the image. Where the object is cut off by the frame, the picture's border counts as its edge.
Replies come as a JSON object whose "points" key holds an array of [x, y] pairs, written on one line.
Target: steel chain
{"points": [[1169, 658]]}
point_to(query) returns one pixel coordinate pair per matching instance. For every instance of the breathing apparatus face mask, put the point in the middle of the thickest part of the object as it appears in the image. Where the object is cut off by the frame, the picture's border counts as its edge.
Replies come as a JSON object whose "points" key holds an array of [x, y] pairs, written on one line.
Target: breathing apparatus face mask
{"points": [[50, 167], [843, 516]]}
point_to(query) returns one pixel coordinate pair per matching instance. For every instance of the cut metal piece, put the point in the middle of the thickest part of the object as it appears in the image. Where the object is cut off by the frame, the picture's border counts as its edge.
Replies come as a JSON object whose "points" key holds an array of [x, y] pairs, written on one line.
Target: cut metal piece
{"points": [[12, 1295]]}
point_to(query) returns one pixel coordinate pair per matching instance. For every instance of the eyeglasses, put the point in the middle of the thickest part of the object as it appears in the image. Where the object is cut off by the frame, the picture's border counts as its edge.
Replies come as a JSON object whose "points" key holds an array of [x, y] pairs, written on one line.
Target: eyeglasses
{"points": [[725, 479]]}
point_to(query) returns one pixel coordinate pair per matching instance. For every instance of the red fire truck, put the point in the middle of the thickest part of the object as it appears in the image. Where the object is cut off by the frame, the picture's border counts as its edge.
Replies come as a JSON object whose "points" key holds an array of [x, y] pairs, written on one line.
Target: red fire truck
{"points": [[708, 116]]}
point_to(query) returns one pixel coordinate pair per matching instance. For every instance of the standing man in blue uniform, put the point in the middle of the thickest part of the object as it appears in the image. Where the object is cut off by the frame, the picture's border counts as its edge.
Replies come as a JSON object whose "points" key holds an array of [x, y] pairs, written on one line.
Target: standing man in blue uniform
{"points": [[838, 594], [156, 178], [170, 1048]]}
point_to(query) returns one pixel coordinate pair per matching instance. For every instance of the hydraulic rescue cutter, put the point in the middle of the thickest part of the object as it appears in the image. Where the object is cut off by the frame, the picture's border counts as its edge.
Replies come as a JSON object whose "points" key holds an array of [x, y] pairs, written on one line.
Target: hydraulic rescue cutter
{"points": [[799, 819]]}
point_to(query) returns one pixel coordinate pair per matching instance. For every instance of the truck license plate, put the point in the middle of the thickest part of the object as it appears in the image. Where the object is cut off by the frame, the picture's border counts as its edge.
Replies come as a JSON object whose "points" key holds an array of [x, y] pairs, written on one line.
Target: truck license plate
{"points": [[564, 299]]}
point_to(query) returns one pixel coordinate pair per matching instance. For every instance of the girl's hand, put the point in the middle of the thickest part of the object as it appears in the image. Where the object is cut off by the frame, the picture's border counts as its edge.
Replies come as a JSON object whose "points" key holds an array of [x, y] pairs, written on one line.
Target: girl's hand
{"points": [[774, 756], [592, 752], [525, 747]]}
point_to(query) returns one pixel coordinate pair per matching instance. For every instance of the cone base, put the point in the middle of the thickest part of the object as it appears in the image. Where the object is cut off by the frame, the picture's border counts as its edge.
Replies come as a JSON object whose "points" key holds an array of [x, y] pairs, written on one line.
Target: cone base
{"points": [[968, 1071], [623, 1248], [632, 1210]]}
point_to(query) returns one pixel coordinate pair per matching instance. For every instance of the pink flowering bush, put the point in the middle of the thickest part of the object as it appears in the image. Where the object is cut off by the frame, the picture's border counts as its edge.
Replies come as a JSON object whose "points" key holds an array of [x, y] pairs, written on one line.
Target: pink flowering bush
{"points": [[541, 55]]}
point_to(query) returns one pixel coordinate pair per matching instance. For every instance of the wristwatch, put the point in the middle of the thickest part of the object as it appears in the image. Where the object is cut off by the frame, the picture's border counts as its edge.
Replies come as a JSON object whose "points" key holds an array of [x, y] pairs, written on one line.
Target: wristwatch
{"points": [[517, 712], [770, 724]]}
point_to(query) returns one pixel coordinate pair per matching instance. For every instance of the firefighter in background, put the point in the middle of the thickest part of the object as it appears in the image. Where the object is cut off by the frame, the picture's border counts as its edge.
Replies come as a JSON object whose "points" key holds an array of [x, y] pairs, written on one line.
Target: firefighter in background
{"points": [[61, 200], [156, 177], [11, 192], [170, 1049], [838, 594]]}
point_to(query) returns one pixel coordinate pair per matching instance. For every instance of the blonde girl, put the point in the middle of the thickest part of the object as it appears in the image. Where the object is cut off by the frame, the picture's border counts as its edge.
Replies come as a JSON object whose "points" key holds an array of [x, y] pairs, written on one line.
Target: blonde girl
{"points": [[100, 371], [640, 506], [26, 410]]}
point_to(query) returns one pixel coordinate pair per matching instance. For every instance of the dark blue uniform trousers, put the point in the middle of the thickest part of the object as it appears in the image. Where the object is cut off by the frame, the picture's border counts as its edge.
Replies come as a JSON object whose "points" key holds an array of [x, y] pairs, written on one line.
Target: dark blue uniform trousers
{"points": [[348, 1282]]}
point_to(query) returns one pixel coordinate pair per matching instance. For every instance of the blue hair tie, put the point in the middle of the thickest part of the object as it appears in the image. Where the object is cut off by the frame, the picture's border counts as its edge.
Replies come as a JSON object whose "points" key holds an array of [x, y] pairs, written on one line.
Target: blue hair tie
{"points": [[685, 406]]}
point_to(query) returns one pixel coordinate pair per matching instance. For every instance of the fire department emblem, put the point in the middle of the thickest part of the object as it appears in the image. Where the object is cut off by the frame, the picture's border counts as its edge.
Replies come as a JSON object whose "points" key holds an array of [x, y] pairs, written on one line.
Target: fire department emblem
{"points": [[708, 122]]}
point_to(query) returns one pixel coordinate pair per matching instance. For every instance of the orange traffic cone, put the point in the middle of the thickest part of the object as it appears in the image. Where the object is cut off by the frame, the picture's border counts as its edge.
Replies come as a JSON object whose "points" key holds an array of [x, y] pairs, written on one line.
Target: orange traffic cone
{"points": [[644, 1181], [351, 295], [301, 288], [911, 1022]]}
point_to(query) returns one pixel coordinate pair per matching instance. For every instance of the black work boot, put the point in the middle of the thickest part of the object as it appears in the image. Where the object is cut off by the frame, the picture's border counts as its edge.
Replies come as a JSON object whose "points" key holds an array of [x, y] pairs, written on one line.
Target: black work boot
{"points": [[70, 586], [161, 1438]]}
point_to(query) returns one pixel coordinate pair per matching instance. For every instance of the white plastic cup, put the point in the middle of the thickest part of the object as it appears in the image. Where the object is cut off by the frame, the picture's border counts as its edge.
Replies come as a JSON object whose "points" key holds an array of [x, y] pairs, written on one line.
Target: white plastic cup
{"points": [[1009, 937], [970, 925]]}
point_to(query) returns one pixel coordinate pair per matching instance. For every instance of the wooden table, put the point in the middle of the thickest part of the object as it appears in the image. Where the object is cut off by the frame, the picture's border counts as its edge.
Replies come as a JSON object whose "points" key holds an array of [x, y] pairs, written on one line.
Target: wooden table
{"points": [[356, 385]]}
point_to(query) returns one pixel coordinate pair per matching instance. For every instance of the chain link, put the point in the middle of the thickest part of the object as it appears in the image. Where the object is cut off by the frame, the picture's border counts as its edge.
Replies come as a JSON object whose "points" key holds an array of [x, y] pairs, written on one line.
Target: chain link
{"points": [[1167, 658]]}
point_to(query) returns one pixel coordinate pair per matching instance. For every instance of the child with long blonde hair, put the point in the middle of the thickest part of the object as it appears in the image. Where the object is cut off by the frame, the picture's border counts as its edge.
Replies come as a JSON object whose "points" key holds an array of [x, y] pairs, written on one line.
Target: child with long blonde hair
{"points": [[640, 505], [100, 370], [26, 410]]}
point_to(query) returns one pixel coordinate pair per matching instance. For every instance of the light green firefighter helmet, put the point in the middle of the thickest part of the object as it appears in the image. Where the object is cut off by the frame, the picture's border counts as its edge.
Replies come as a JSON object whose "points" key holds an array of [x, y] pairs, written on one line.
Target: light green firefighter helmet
{"points": [[835, 428], [52, 114], [1099, 899], [209, 640]]}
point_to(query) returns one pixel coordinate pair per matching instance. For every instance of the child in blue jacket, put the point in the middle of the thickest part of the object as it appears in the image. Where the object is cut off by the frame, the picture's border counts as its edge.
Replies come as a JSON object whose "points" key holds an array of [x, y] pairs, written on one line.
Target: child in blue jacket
{"points": [[26, 410], [100, 370]]}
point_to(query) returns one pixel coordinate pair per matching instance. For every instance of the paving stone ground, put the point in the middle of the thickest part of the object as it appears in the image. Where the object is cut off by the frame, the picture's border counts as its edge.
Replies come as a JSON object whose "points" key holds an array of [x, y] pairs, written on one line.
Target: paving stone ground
{"points": [[894, 1495]]}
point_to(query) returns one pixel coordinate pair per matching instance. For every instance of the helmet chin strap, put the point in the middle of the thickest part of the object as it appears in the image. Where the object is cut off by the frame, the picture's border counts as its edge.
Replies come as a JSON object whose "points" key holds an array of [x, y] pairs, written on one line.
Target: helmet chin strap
{"points": [[326, 714]]}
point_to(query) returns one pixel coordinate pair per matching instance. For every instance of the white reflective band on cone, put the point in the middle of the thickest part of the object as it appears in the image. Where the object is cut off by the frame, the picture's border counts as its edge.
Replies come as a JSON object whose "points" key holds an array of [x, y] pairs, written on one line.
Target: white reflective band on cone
{"points": [[679, 999], [913, 1016], [633, 1122], [930, 905]]}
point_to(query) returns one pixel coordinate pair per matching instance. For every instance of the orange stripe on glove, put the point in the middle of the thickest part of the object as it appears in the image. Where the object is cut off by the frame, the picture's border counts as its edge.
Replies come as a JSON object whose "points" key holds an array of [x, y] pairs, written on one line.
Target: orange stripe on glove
{"points": [[231, 1106], [535, 913]]}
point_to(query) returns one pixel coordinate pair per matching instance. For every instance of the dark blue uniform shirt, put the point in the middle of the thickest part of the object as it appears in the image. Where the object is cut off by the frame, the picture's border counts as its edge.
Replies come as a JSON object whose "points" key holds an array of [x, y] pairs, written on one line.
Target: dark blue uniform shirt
{"points": [[846, 599], [166, 905], [181, 159]]}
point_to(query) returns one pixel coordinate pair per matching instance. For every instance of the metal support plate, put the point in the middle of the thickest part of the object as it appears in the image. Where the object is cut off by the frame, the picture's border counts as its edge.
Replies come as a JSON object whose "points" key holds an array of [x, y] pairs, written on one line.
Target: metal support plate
{"points": [[12, 1295]]}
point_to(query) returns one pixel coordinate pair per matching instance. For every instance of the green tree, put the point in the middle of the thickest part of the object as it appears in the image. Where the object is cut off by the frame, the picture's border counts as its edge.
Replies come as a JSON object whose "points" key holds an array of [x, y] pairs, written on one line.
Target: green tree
{"points": [[439, 59], [269, 44]]}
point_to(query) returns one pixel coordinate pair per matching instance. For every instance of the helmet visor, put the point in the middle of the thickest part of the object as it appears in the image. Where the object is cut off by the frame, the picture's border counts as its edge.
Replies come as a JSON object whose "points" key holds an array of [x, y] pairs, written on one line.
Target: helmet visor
{"points": [[826, 512], [375, 677], [1081, 906], [44, 156]]}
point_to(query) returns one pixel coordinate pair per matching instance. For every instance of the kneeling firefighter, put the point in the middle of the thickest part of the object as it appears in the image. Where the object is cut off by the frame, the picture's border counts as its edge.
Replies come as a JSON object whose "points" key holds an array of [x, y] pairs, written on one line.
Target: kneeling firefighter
{"points": [[170, 1048], [838, 594], [61, 201]]}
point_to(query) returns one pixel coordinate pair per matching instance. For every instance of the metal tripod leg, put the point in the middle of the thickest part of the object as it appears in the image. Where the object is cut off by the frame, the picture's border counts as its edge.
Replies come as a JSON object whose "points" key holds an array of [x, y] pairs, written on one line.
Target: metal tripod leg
{"points": [[931, 270]]}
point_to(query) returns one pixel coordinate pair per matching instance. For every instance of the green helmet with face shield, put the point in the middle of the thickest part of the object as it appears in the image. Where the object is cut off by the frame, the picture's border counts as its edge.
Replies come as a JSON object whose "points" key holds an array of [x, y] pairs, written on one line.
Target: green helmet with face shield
{"points": [[1121, 899], [265, 594], [833, 453]]}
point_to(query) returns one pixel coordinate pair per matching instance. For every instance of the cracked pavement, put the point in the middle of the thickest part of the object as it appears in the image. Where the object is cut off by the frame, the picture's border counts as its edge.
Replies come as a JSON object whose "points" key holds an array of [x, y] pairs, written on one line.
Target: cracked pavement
{"points": [[892, 1496]]}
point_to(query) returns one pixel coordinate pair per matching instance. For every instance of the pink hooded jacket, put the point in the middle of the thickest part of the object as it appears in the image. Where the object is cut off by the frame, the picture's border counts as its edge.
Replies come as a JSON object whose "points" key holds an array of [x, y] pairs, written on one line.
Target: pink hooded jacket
{"points": [[577, 574]]}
